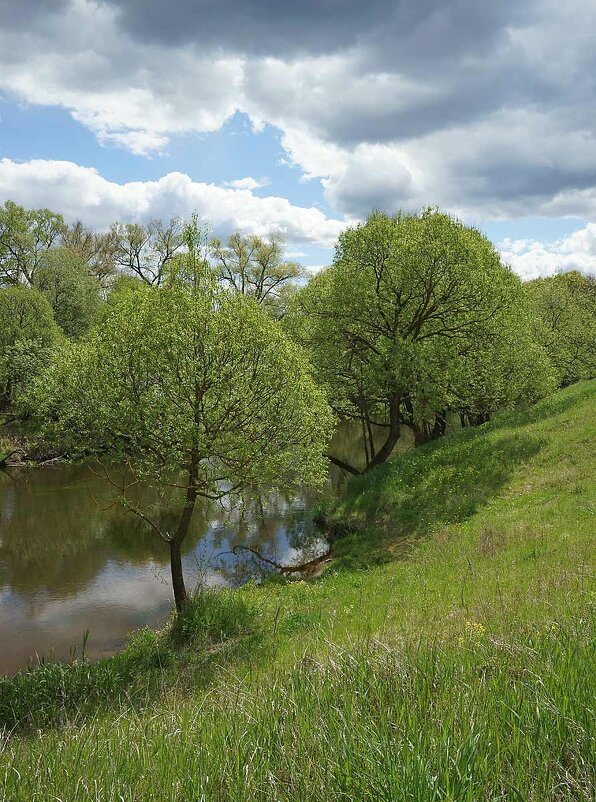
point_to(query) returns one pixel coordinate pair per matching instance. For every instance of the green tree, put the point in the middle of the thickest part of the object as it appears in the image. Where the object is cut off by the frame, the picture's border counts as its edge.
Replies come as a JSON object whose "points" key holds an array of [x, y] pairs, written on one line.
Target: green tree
{"points": [[197, 390], [508, 369], [27, 335], [390, 324], [256, 267], [146, 251], [25, 237], [97, 249], [74, 294], [565, 306]]}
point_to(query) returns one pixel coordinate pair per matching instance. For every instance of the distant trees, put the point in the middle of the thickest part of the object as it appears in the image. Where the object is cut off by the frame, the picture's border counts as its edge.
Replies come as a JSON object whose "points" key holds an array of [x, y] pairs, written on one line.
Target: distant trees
{"points": [[565, 323], [196, 389], [96, 248], [402, 325], [27, 335], [144, 251], [73, 292], [255, 266], [25, 237]]}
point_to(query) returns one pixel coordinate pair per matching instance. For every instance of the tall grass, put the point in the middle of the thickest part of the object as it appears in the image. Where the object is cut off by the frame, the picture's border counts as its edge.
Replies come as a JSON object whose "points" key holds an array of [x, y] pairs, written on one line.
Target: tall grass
{"points": [[465, 672], [478, 720]]}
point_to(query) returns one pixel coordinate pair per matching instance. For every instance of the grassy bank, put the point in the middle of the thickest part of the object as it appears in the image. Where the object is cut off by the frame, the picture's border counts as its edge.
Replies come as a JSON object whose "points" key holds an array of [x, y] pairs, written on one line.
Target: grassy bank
{"points": [[466, 671]]}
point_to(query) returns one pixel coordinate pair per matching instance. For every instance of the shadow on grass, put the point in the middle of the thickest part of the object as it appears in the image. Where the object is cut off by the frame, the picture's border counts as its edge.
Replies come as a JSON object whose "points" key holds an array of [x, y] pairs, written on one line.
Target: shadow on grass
{"points": [[550, 407], [441, 483]]}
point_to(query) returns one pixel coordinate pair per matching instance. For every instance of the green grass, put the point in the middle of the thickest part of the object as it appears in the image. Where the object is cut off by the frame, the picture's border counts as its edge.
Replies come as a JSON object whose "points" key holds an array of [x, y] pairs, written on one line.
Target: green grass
{"points": [[448, 653]]}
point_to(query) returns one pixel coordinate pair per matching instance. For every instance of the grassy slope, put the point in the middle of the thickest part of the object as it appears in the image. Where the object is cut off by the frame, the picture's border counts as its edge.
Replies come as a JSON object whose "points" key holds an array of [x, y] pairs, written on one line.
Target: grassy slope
{"points": [[466, 672]]}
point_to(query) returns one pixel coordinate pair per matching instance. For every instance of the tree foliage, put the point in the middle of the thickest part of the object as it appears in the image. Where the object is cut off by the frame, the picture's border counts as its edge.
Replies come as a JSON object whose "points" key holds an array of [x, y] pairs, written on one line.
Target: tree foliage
{"points": [[197, 390], [97, 249], [25, 237], [27, 335], [256, 267], [74, 294], [565, 307], [411, 308], [145, 251]]}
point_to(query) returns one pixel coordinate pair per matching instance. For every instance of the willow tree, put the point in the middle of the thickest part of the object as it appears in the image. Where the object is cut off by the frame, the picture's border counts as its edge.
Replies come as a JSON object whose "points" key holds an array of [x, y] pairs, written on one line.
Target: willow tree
{"points": [[197, 391], [388, 325]]}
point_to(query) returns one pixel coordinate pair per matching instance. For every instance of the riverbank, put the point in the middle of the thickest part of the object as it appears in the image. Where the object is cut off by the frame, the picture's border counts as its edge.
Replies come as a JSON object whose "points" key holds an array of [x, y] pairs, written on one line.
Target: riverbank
{"points": [[466, 671]]}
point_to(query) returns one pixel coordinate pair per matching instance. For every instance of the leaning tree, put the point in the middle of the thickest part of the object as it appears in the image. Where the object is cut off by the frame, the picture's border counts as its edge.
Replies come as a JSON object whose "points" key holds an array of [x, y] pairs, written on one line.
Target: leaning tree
{"points": [[196, 390]]}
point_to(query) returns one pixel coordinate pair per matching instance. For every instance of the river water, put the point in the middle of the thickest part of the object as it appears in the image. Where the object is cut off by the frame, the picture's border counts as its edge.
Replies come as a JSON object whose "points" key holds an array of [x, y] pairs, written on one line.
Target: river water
{"points": [[71, 560]]}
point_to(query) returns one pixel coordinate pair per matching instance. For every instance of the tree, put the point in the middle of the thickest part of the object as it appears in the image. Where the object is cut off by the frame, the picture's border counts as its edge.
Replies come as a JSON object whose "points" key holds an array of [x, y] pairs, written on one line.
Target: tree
{"points": [[503, 371], [96, 248], [407, 299], [146, 251], [565, 307], [25, 237], [196, 390], [256, 267], [74, 294], [27, 335]]}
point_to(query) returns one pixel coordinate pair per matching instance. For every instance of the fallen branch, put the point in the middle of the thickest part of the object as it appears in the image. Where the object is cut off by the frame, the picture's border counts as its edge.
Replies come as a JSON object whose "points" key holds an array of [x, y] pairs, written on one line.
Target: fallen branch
{"points": [[285, 569], [52, 460], [345, 466]]}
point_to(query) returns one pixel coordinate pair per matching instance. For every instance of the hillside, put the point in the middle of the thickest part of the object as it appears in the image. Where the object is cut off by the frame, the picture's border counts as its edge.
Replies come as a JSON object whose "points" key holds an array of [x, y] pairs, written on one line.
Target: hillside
{"points": [[446, 653]]}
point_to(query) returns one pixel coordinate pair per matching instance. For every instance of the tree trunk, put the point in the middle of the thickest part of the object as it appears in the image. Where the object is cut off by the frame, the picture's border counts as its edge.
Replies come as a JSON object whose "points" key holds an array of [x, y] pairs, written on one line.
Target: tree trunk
{"points": [[180, 595], [393, 436], [345, 466]]}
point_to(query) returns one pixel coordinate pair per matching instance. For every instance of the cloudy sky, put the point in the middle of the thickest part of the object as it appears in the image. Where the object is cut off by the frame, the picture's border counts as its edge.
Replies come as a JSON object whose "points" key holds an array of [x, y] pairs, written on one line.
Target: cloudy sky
{"points": [[300, 117]]}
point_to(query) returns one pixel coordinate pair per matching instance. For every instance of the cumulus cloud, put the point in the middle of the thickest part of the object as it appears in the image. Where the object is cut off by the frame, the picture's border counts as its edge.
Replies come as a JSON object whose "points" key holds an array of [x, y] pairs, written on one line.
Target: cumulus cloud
{"points": [[532, 259], [81, 193], [248, 182], [486, 109]]}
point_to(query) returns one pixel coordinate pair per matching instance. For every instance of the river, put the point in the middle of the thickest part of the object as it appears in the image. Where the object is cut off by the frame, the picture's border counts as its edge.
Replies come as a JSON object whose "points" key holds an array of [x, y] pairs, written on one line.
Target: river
{"points": [[71, 561]]}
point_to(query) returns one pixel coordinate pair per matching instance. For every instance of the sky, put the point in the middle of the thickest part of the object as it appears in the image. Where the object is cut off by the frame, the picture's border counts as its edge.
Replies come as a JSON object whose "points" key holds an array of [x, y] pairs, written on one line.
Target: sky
{"points": [[301, 117]]}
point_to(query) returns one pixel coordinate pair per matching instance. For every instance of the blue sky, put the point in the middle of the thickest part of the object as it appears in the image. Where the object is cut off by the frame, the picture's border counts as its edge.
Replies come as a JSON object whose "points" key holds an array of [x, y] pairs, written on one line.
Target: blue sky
{"points": [[302, 121]]}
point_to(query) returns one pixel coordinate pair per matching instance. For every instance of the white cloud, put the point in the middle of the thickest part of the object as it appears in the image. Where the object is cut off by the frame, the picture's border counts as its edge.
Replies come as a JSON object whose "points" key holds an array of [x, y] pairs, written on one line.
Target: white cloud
{"points": [[80, 192], [531, 258], [399, 106], [248, 183]]}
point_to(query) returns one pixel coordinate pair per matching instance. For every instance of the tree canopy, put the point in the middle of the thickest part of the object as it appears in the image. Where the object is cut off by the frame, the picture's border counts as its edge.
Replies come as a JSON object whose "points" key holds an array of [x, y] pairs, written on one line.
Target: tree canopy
{"points": [[27, 334], [397, 323], [195, 389], [256, 267], [565, 323], [73, 292], [25, 236]]}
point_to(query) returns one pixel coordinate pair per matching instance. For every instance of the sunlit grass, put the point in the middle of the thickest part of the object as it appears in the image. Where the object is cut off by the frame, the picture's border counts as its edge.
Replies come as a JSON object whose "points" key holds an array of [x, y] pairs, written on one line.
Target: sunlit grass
{"points": [[465, 672]]}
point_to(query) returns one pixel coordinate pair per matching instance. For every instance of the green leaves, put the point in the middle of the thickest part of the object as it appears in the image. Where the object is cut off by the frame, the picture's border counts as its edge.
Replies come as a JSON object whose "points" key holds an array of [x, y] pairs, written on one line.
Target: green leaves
{"points": [[176, 374], [565, 323], [412, 311], [27, 334], [25, 236], [74, 294]]}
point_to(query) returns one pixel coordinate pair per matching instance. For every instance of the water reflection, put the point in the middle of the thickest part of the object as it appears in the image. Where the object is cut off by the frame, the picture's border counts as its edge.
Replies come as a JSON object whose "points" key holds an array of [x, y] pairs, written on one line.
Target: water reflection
{"points": [[70, 560]]}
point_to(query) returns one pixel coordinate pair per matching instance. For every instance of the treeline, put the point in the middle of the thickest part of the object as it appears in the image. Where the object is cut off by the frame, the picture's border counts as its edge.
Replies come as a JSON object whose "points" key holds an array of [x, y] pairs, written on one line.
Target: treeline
{"points": [[55, 278], [209, 367], [416, 318]]}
